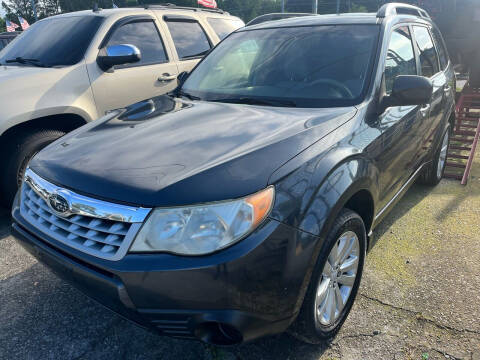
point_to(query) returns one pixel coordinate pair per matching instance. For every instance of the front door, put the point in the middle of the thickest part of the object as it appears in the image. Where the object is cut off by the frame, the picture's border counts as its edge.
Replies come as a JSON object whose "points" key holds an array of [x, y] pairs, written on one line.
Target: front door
{"points": [[155, 74], [399, 125]]}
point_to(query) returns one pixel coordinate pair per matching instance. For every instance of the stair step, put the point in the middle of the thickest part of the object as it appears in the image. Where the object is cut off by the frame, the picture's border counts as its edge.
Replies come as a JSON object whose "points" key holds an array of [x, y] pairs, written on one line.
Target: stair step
{"points": [[467, 120], [463, 148], [467, 126], [461, 139], [466, 133], [453, 176], [455, 164], [456, 156]]}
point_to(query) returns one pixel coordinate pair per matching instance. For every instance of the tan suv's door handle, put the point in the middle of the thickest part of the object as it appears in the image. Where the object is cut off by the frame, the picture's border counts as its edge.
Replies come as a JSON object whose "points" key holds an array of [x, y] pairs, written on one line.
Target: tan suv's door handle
{"points": [[167, 77]]}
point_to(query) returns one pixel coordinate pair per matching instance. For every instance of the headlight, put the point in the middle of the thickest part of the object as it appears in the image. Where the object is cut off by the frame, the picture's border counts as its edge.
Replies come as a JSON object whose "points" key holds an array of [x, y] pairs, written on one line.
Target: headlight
{"points": [[202, 229]]}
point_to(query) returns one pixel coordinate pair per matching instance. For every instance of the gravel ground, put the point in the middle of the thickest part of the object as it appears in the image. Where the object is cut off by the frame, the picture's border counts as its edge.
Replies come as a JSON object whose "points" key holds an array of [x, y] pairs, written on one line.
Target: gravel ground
{"points": [[419, 297]]}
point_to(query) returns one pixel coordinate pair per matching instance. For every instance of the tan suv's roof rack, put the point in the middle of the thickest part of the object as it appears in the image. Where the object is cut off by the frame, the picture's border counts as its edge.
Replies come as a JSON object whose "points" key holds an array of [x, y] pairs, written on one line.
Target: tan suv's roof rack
{"points": [[173, 6], [401, 9]]}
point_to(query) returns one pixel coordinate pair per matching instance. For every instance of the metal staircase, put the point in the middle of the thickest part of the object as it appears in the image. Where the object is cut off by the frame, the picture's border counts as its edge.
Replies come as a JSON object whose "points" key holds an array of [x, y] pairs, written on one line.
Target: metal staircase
{"points": [[464, 136]]}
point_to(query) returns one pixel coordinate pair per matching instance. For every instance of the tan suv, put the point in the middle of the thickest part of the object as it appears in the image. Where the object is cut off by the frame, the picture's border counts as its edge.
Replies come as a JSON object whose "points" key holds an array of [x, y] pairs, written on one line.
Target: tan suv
{"points": [[70, 69]]}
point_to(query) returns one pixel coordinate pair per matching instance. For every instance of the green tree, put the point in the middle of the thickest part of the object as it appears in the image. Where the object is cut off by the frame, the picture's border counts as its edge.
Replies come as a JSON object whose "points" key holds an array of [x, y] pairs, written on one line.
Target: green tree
{"points": [[2, 25]]}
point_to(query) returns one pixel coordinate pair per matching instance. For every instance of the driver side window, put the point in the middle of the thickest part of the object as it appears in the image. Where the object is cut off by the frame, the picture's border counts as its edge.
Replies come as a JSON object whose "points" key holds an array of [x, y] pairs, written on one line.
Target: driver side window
{"points": [[400, 57]]}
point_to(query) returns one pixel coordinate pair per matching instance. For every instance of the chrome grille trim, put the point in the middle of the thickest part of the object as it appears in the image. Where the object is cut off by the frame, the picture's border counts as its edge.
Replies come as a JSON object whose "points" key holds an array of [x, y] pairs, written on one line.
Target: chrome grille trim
{"points": [[99, 228], [86, 206]]}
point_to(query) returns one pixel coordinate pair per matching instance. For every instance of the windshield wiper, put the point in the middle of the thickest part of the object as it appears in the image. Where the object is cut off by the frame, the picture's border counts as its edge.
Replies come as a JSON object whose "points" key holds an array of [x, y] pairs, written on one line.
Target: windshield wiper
{"points": [[187, 95], [22, 60], [254, 101]]}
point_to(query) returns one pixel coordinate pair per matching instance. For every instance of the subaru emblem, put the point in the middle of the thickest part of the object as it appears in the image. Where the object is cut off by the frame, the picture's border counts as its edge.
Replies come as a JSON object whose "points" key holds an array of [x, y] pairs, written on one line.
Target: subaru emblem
{"points": [[58, 203]]}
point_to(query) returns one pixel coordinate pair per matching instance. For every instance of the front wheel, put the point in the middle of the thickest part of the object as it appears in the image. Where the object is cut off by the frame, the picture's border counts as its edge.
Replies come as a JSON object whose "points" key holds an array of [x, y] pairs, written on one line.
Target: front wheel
{"points": [[19, 150], [335, 280]]}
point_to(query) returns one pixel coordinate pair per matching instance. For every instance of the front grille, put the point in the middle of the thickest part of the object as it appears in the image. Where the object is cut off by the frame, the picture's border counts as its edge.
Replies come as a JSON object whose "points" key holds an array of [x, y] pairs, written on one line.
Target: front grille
{"points": [[100, 237]]}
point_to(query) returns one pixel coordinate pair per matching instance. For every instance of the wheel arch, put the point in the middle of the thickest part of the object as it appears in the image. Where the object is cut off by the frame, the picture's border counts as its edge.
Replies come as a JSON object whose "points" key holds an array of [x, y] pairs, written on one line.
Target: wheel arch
{"points": [[354, 190], [63, 122]]}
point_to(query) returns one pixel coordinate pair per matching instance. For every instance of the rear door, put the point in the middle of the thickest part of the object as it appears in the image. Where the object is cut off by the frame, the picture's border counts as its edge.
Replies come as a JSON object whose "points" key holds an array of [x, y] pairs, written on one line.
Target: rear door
{"points": [[224, 26], [446, 67], [189, 39], [155, 74], [430, 68], [399, 124]]}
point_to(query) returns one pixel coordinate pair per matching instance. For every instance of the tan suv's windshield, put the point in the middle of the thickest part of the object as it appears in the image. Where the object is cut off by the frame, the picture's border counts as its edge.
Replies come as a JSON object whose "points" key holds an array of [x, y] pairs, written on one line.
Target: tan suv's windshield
{"points": [[311, 66], [58, 41]]}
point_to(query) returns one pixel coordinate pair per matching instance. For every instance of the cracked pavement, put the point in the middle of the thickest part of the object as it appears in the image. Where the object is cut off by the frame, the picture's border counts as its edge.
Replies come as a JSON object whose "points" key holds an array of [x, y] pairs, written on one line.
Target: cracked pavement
{"points": [[419, 297]]}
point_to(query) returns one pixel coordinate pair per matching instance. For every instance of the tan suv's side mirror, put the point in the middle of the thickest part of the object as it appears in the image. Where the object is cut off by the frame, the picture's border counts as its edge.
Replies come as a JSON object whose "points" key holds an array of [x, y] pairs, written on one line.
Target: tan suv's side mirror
{"points": [[118, 55]]}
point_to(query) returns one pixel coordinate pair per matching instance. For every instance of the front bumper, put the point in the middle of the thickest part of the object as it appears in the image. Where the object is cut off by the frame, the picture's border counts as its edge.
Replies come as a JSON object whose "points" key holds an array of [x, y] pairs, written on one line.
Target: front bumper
{"points": [[252, 289]]}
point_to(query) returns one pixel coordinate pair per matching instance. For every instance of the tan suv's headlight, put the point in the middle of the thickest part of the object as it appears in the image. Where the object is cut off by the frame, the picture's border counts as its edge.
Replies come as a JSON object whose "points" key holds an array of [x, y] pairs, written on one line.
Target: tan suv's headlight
{"points": [[202, 229]]}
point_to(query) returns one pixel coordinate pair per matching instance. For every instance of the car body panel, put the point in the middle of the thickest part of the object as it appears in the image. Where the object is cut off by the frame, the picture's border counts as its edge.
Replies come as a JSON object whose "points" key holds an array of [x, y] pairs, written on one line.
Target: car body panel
{"points": [[40, 89], [250, 143]]}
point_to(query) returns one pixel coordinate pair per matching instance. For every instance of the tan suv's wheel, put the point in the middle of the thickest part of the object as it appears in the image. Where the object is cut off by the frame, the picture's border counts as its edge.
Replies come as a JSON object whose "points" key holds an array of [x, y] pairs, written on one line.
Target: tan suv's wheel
{"points": [[335, 280], [18, 151]]}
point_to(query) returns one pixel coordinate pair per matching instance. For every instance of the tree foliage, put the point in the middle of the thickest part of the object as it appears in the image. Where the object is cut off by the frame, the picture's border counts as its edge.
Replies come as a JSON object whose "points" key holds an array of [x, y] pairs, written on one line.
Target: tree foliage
{"points": [[23, 8], [2, 25]]}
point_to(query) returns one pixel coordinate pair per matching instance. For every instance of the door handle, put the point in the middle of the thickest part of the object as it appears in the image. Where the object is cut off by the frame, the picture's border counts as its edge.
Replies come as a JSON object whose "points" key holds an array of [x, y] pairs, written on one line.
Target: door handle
{"points": [[166, 77], [424, 109]]}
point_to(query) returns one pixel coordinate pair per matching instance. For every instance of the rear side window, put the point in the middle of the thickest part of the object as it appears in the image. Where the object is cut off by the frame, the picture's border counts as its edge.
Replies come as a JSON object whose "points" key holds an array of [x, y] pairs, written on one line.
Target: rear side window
{"points": [[428, 55], [224, 27], [400, 57], [442, 51], [144, 35], [189, 38]]}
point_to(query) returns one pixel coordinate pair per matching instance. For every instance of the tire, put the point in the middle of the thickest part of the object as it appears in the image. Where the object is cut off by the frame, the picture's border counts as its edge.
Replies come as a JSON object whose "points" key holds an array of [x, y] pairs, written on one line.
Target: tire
{"points": [[19, 150], [308, 326], [432, 175]]}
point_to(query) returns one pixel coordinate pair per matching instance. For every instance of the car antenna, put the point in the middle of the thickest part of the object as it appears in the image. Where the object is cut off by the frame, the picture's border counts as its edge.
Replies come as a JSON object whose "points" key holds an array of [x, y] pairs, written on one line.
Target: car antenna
{"points": [[95, 7]]}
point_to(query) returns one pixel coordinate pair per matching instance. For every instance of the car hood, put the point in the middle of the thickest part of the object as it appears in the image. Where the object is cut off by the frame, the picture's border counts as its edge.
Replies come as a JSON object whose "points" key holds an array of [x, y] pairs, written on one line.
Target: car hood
{"points": [[27, 91], [166, 151], [26, 76]]}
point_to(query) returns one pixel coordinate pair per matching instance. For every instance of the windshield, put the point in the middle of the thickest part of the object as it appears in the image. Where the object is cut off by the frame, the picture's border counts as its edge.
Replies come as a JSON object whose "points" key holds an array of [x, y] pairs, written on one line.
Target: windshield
{"points": [[313, 66], [58, 41]]}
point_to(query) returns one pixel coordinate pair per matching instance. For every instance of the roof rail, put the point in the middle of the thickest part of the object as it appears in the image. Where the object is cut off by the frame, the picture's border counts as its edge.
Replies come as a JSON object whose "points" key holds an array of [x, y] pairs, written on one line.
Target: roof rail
{"points": [[275, 16], [173, 6], [400, 8]]}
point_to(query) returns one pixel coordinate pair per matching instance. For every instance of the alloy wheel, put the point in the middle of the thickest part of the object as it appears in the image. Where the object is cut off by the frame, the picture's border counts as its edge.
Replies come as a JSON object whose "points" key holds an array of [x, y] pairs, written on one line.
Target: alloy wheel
{"points": [[338, 278]]}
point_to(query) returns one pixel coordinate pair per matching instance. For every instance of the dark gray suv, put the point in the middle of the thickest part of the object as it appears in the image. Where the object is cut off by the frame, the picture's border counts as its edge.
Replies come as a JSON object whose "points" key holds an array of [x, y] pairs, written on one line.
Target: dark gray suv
{"points": [[241, 204]]}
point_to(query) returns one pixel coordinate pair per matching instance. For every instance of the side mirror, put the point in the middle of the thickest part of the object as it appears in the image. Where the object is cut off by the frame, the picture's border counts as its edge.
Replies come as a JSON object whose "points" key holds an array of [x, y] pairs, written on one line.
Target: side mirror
{"points": [[409, 90], [118, 55], [182, 77]]}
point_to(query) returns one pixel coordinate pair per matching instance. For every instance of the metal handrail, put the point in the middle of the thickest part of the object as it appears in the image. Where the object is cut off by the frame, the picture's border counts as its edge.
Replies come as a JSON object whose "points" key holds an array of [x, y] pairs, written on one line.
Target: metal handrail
{"points": [[471, 156]]}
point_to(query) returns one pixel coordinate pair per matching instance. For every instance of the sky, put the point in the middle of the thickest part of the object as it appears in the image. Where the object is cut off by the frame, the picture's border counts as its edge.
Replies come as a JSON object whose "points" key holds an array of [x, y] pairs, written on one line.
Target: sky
{"points": [[2, 13]]}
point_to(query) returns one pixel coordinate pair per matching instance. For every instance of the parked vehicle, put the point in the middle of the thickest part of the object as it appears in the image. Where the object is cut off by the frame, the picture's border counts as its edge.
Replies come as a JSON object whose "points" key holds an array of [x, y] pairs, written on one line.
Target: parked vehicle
{"points": [[7, 37], [70, 69], [242, 203]]}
